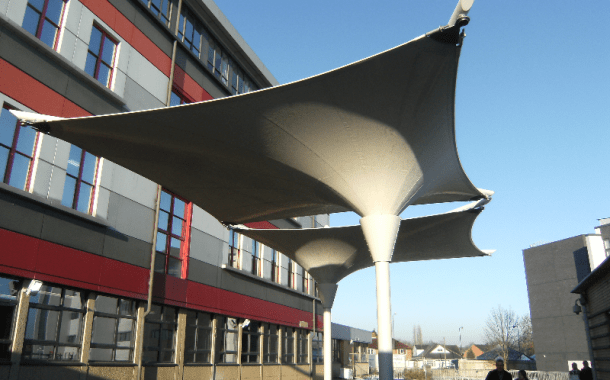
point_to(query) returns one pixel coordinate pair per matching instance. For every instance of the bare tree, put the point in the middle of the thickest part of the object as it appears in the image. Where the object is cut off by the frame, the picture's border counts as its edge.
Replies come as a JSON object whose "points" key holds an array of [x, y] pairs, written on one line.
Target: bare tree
{"points": [[525, 336], [418, 340], [501, 329]]}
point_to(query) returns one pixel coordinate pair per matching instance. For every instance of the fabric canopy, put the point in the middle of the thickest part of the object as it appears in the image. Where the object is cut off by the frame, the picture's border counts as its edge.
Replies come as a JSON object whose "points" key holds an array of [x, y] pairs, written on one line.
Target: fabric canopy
{"points": [[371, 137], [330, 254]]}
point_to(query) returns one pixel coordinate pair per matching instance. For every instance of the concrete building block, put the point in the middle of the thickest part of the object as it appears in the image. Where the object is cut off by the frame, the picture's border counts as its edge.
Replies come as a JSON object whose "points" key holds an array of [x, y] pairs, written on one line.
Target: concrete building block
{"points": [[103, 197], [42, 178], [4, 6], [127, 249], [56, 187], [137, 98], [205, 222], [20, 215], [147, 76], [48, 148], [16, 10], [132, 186], [206, 248], [119, 83], [123, 56], [85, 25], [135, 220], [68, 230], [62, 154], [203, 272], [74, 9], [68, 41], [79, 57]]}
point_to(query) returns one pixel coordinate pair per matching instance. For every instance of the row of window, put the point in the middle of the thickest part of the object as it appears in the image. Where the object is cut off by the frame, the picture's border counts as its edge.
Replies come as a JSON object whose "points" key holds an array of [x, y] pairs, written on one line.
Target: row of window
{"points": [[43, 19], [55, 331]]}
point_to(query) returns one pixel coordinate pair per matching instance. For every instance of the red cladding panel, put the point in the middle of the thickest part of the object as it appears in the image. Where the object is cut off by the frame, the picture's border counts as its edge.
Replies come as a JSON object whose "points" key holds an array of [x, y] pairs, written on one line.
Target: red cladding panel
{"points": [[18, 251], [124, 279], [261, 225], [188, 85], [63, 262]]}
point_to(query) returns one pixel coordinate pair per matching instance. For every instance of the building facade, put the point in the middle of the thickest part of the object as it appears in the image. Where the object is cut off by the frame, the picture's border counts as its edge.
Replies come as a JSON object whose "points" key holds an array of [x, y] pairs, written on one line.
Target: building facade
{"points": [[552, 271], [81, 235]]}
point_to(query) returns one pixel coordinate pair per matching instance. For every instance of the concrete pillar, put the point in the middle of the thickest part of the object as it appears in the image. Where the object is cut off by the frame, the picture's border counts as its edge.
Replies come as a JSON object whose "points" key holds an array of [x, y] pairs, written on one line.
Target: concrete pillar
{"points": [[380, 232], [327, 296]]}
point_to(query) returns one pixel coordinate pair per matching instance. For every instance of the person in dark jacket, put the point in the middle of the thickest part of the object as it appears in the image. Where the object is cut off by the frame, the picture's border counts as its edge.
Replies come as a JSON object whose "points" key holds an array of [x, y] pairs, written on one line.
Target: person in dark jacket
{"points": [[499, 373], [585, 372]]}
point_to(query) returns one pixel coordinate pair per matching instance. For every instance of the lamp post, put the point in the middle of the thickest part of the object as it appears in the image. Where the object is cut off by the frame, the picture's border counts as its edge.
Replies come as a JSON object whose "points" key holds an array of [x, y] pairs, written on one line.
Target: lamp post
{"points": [[460, 331]]}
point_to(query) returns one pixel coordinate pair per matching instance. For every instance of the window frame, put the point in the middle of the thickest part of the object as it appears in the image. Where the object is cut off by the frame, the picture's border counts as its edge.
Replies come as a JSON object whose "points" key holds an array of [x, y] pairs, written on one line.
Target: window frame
{"points": [[198, 328], [235, 240], [317, 348], [288, 339], [12, 151], [63, 311], [271, 339], [99, 61], [250, 338], [185, 236], [163, 325], [9, 300], [222, 331], [43, 17], [79, 182], [302, 340], [256, 259], [118, 316]]}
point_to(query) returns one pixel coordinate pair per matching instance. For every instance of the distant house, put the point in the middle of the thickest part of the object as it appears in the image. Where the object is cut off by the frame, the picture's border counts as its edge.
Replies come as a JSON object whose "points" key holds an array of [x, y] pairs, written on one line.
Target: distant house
{"points": [[399, 348], [497, 351], [475, 350], [436, 356]]}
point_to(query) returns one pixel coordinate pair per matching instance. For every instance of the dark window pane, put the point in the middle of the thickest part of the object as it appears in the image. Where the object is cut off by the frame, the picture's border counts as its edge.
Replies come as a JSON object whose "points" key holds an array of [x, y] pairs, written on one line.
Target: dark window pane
{"points": [[155, 313], [47, 295], [84, 197], [151, 335], [73, 300], [7, 313], [169, 314], [166, 357], [95, 41], [163, 220], [25, 142], [19, 172], [90, 64], [40, 352], [54, 9], [174, 267], [3, 162], [127, 307], [42, 324], [67, 353], [125, 333], [103, 330], [108, 51], [167, 337], [166, 201], [100, 354], [106, 304], [48, 34], [160, 262], [74, 161], [89, 168], [70, 329], [31, 20], [69, 187], [189, 342]]}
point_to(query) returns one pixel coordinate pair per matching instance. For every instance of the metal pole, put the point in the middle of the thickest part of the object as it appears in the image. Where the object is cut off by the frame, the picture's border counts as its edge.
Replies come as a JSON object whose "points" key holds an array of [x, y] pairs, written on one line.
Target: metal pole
{"points": [[328, 359]]}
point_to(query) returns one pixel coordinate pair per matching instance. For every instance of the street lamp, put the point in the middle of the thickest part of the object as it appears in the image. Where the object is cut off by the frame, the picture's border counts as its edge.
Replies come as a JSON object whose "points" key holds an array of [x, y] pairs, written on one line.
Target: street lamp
{"points": [[460, 331]]}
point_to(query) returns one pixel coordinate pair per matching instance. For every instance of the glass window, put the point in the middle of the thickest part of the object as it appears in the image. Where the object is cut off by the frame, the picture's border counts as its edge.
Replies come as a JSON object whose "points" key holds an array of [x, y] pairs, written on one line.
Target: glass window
{"points": [[317, 349], [177, 98], [198, 340], [275, 268], [288, 345], [54, 325], [160, 335], [9, 290], [226, 340], [173, 231], [250, 338], [113, 333], [100, 56], [256, 259], [302, 354], [161, 9], [43, 18], [17, 147], [79, 187], [234, 251], [270, 340], [190, 31]]}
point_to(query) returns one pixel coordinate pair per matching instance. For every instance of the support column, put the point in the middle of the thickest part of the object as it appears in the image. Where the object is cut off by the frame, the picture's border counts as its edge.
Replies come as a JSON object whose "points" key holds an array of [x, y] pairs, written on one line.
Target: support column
{"points": [[327, 296], [380, 232]]}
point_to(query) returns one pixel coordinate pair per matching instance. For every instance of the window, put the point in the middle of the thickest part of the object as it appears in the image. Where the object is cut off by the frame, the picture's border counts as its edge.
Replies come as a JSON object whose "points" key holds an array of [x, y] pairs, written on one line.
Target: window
{"points": [[270, 340], [160, 335], [226, 340], [336, 350], [55, 325], [198, 346], [234, 251], [250, 338], [317, 347], [100, 57], [288, 345], [305, 279], [173, 235], [275, 268], [17, 146], [189, 31], [256, 259], [161, 9], [113, 333], [178, 98], [43, 19], [289, 272], [302, 354], [81, 175], [8, 301]]}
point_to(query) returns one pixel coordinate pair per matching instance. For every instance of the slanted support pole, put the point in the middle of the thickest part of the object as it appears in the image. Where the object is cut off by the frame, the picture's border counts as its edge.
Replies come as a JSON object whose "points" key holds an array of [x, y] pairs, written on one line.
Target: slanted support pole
{"points": [[327, 293], [380, 233]]}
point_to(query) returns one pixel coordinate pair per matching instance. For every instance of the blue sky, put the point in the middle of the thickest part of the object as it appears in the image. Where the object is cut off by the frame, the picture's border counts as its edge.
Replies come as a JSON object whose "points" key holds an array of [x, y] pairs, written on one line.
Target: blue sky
{"points": [[532, 124]]}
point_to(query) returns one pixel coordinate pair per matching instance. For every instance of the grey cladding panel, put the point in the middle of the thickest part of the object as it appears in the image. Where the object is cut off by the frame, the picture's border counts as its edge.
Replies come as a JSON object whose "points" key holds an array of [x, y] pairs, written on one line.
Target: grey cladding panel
{"points": [[133, 219], [242, 285], [137, 98], [20, 215], [127, 249], [48, 149], [206, 248], [92, 101], [283, 297], [73, 232], [42, 179], [203, 273], [199, 74], [158, 34]]}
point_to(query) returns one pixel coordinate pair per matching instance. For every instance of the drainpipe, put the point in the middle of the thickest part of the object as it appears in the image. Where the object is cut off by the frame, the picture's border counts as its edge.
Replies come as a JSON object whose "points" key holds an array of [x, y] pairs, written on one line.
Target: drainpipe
{"points": [[151, 275]]}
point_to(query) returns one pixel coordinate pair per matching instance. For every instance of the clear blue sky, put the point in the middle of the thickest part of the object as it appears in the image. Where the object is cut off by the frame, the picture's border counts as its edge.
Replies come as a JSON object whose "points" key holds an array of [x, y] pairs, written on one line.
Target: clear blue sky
{"points": [[532, 124]]}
